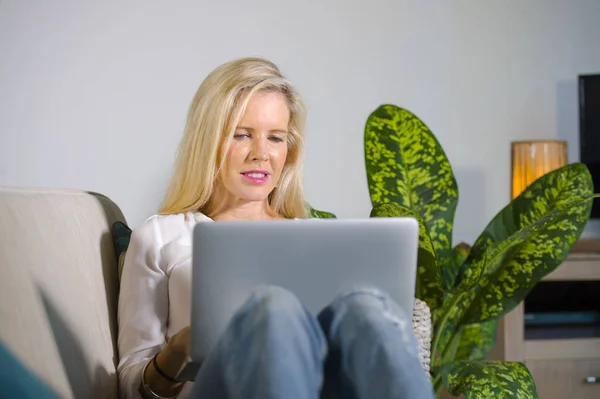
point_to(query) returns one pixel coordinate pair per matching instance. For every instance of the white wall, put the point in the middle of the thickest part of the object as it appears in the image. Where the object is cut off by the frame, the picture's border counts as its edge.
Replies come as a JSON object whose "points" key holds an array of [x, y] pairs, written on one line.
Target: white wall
{"points": [[93, 95]]}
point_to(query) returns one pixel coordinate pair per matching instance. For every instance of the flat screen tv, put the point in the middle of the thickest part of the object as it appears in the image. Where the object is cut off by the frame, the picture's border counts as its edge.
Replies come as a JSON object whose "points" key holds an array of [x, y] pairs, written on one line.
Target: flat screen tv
{"points": [[589, 130]]}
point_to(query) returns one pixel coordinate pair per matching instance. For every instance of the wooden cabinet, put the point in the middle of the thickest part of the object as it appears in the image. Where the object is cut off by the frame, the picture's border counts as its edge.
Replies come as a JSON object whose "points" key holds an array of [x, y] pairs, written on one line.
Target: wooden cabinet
{"points": [[560, 366], [565, 378]]}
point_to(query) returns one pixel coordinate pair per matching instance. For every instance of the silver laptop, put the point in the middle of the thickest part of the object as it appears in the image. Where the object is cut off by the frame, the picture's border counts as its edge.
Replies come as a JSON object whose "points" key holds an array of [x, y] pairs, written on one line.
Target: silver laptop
{"points": [[316, 259]]}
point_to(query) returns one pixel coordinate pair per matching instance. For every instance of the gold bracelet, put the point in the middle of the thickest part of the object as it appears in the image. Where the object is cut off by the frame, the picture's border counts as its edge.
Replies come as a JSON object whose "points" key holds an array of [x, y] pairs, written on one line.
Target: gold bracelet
{"points": [[149, 390]]}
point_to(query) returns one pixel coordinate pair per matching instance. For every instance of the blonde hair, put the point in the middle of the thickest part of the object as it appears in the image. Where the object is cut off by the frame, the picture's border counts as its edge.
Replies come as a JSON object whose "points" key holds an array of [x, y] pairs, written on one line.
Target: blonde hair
{"points": [[215, 111]]}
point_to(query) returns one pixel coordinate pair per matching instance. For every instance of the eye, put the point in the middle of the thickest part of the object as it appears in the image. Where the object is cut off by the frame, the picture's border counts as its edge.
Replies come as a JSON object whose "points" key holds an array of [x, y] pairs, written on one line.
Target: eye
{"points": [[240, 136], [276, 139]]}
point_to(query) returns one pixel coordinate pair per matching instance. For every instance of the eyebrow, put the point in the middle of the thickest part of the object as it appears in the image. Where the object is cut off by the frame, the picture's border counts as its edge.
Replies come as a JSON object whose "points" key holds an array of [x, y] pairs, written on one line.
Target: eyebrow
{"points": [[271, 131]]}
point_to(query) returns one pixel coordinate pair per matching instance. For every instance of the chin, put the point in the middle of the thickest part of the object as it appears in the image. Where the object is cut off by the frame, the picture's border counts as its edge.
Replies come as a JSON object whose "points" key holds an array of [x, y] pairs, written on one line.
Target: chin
{"points": [[255, 195]]}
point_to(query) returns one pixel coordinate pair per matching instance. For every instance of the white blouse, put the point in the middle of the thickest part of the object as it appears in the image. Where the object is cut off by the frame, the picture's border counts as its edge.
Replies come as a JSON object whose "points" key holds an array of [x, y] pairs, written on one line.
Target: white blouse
{"points": [[154, 298]]}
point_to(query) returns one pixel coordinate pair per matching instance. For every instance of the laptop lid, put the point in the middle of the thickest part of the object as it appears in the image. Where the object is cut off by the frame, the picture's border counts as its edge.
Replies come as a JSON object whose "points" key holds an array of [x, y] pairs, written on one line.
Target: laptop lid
{"points": [[315, 259]]}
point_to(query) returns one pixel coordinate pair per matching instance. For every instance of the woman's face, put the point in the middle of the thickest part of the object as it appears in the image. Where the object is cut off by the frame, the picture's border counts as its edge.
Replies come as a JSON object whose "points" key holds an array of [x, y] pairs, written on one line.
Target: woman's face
{"points": [[258, 149]]}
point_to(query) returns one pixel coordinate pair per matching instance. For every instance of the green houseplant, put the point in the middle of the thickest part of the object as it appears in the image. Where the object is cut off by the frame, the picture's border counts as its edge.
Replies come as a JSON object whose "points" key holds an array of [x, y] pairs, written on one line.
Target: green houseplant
{"points": [[469, 288], [317, 214]]}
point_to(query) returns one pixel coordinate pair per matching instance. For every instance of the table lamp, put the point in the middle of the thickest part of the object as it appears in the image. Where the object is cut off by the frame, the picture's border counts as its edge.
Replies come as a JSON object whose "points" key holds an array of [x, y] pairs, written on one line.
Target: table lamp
{"points": [[533, 159]]}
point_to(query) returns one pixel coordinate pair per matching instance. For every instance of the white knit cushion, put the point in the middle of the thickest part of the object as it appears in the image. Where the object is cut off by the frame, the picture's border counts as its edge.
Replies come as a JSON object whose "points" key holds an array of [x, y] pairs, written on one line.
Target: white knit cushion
{"points": [[422, 329]]}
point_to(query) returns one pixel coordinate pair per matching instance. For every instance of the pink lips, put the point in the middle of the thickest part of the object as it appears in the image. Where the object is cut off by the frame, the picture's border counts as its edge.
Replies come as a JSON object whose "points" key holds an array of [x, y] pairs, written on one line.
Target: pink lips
{"points": [[256, 176]]}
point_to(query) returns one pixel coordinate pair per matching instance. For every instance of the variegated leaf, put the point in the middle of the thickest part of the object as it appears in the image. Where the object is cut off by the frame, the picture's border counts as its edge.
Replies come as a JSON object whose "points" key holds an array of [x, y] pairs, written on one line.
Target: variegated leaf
{"points": [[450, 350], [449, 271], [316, 214], [527, 240], [476, 340], [451, 268], [429, 282], [446, 344], [469, 342], [489, 379], [406, 165]]}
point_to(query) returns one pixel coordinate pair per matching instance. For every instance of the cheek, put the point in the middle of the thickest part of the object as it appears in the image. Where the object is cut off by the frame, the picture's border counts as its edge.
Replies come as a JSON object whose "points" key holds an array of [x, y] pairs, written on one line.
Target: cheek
{"points": [[281, 157], [235, 156]]}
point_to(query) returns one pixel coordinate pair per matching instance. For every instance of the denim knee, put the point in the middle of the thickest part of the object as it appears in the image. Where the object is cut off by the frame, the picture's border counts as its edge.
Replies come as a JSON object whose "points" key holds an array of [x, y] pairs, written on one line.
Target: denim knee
{"points": [[364, 299], [369, 292]]}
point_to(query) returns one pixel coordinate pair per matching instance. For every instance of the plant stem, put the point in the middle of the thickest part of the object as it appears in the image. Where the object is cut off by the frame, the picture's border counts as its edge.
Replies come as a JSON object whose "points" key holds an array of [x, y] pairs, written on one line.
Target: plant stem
{"points": [[440, 327], [438, 382], [451, 346], [438, 387]]}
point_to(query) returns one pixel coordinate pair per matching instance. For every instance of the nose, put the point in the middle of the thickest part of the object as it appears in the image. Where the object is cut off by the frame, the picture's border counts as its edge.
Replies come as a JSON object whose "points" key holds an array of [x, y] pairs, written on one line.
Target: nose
{"points": [[259, 150]]}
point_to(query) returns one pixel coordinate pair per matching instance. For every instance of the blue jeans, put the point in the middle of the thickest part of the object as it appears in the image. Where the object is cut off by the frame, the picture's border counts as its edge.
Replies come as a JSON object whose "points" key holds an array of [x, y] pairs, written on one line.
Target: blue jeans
{"points": [[361, 346]]}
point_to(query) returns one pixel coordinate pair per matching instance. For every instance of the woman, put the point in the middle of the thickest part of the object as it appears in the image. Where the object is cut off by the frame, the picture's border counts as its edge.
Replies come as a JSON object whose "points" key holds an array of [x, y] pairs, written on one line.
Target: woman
{"points": [[240, 159]]}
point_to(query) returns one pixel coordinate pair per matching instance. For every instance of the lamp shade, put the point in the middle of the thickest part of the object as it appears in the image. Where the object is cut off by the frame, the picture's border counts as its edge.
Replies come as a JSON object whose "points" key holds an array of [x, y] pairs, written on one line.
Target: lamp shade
{"points": [[533, 159]]}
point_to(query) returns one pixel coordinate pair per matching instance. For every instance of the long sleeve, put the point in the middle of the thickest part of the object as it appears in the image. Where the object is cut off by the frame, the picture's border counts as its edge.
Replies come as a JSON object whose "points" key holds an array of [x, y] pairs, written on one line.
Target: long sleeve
{"points": [[143, 307]]}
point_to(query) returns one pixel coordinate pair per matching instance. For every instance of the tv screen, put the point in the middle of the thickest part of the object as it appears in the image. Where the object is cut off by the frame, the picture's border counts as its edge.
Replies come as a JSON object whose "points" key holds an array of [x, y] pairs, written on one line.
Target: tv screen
{"points": [[589, 130]]}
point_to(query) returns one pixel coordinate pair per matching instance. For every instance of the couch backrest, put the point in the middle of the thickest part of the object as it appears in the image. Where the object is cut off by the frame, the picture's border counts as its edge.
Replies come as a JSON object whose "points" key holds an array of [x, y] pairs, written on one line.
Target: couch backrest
{"points": [[58, 288]]}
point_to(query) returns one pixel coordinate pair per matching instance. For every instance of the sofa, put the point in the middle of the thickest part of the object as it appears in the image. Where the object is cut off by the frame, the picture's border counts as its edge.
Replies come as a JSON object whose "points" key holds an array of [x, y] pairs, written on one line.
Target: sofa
{"points": [[59, 289]]}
